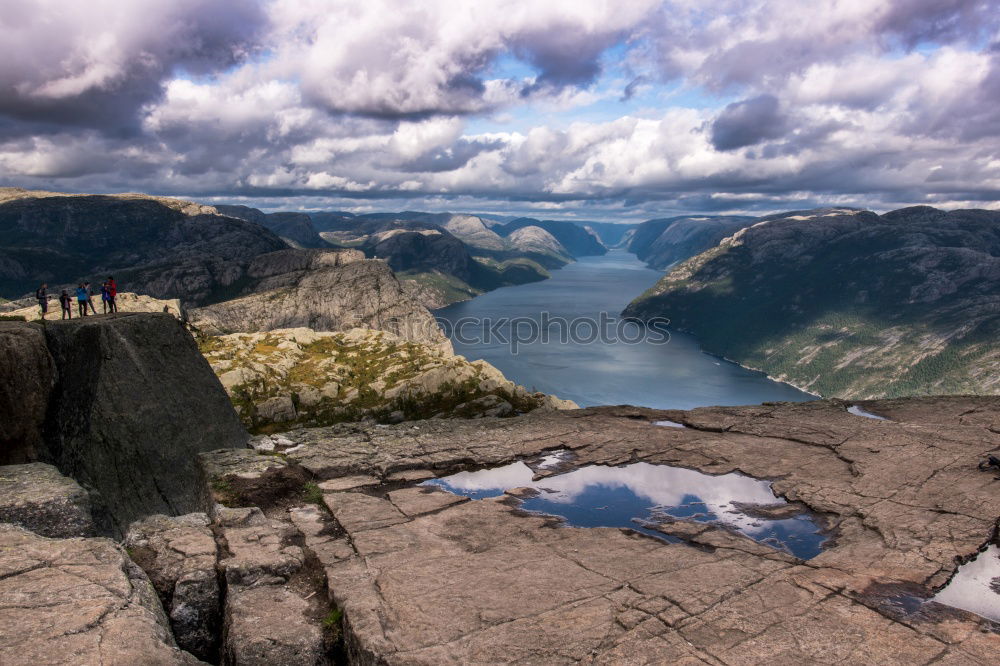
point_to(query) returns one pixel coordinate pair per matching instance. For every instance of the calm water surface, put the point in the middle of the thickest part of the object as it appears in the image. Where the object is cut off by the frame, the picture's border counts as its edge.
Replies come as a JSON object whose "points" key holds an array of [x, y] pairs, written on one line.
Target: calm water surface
{"points": [[676, 375]]}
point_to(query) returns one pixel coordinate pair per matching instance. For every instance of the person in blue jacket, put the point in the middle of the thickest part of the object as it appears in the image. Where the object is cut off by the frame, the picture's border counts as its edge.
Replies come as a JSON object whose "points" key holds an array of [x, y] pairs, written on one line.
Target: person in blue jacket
{"points": [[81, 299]]}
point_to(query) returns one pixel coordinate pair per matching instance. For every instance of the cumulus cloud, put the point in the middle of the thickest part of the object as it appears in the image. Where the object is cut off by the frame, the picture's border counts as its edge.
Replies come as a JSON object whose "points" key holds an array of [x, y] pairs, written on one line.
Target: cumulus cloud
{"points": [[738, 106]]}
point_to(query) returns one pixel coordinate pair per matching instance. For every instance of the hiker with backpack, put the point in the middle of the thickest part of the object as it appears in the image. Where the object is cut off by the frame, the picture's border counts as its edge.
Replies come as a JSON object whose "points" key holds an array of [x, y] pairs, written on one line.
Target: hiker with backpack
{"points": [[66, 301], [81, 299], [42, 295]]}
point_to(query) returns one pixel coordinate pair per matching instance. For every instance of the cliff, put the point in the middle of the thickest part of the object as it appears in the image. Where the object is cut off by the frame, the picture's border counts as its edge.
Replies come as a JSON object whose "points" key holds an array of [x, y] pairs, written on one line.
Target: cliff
{"points": [[167, 248], [576, 239], [849, 303], [664, 242], [123, 404], [294, 228], [332, 290]]}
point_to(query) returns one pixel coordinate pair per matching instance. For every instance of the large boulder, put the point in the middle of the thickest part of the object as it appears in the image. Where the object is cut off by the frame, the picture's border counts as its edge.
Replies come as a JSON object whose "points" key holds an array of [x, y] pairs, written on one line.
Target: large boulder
{"points": [[38, 498], [179, 554], [134, 405], [27, 375], [78, 601]]}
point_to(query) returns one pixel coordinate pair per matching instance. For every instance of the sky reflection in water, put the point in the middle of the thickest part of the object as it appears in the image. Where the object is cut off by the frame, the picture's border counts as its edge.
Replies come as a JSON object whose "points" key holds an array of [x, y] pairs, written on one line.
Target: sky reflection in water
{"points": [[599, 496]]}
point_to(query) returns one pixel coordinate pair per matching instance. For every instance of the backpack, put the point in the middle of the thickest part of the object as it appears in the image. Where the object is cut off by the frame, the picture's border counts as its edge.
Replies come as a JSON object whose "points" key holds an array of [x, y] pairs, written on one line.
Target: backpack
{"points": [[40, 294]]}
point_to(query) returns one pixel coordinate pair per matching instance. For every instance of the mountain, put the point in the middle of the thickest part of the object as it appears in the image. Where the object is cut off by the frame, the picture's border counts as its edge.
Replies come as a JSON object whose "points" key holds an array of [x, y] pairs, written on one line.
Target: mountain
{"points": [[577, 241], [609, 233], [295, 228], [473, 231], [535, 240], [849, 303], [666, 241], [167, 248]]}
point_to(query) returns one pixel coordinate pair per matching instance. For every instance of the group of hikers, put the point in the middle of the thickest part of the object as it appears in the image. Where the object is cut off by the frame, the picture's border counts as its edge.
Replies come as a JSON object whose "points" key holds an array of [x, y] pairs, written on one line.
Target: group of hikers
{"points": [[84, 299]]}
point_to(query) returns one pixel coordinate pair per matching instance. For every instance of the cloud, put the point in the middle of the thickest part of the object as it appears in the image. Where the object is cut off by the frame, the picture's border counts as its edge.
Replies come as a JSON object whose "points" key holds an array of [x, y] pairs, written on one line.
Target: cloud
{"points": [[95, 64], [745, 106], [748, 123]]}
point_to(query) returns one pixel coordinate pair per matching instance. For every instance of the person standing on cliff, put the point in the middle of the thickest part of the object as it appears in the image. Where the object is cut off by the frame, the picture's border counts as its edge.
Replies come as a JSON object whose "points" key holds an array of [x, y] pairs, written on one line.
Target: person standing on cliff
{"points": [[66, 302], [112, 293], [90, 297], [105, 297], [81, 299], [42, 295]]}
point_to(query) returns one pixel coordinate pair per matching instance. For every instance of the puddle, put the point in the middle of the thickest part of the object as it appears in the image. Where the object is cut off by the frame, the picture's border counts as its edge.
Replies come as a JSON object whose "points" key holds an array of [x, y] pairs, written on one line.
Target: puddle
{"points": [[976, 586], [628, 496], [669, 424], [857, 411]]}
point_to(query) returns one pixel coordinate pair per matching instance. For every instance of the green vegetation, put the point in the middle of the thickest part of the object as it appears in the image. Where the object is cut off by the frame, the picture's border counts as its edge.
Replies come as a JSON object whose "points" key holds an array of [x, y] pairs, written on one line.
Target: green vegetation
{"points": [[11, 318], [332, 619], [311, 493]]}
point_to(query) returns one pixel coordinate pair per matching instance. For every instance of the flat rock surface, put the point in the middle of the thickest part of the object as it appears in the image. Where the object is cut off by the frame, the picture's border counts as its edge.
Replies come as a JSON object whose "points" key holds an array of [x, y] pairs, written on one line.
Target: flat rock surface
{"points": [[78, 601], [482, 582], [40, 499]]}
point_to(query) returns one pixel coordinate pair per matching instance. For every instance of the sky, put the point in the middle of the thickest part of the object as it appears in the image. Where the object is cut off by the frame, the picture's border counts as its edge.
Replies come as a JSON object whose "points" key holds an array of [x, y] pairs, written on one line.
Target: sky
{"points": [[565, 109]]}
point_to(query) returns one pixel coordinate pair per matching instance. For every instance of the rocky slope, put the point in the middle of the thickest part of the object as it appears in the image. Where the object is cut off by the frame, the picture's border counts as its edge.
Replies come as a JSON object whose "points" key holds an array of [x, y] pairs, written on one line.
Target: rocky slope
{"points": [[284, 379], [611, 234], [849, 304], [127, 302], [122, 404], [471, 230], [326, 290], [294, 228], [663, 242], [166, 248]]}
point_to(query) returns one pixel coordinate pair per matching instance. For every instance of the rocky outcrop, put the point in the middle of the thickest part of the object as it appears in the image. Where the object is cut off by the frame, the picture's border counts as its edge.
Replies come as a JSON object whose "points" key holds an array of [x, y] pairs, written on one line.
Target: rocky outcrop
{"points": [[288, 378], [327, 291], [179, 554], [126, 301], [25, 386], [78, 601], [133, 405], [166, 248], [664, 242], [38, 498], [901, 498], [577, 241], [849, 303], [294, 228]]}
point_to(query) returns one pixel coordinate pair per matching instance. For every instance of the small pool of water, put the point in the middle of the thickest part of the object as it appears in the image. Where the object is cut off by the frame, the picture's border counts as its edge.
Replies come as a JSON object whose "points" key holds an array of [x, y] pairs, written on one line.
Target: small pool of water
{"points": [[976, 586], [636, 495], [857, 411]]}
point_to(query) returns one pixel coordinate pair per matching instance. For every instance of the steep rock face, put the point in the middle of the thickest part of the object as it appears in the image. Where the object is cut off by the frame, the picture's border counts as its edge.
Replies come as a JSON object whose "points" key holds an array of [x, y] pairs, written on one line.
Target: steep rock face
{"points": [[337, 291], [532, 239], [296, 228], [26, 380], [78, 601], [166, 248], [134, 403], [849, 304], [611, 234], [663, 242], [577, 241]]}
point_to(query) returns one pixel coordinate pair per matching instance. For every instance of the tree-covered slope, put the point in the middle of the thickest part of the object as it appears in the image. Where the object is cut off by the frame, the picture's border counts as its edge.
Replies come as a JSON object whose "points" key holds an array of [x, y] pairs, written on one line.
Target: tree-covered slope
{"points": [[849, 304]]}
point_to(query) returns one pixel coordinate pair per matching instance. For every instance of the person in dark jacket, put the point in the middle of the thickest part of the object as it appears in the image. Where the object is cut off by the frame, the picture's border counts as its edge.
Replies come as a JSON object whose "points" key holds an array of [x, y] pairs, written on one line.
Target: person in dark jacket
{"points": [[81, 299], [42, 294], [66, 301], [105, 296], [90, 297]]}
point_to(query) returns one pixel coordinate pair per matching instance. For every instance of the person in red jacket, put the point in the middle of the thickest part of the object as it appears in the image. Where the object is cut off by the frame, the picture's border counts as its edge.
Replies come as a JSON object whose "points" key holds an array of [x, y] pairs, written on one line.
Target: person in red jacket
{"points": [[112, 294]]}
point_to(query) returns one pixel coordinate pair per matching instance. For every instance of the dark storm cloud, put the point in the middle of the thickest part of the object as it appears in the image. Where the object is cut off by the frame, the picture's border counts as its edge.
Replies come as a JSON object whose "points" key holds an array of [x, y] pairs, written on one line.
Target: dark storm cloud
{"points": [[96, 64], [748, 123], [453, 157]]}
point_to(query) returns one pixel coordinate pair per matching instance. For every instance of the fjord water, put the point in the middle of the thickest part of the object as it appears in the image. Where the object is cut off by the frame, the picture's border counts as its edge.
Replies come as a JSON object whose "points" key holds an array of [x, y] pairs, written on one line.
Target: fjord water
{"points": [[675, 375]]}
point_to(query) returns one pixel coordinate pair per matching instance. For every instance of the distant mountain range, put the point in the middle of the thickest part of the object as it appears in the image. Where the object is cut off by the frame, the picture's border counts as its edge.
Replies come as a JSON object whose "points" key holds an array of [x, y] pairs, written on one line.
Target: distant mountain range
{"points": [[848, 303]]}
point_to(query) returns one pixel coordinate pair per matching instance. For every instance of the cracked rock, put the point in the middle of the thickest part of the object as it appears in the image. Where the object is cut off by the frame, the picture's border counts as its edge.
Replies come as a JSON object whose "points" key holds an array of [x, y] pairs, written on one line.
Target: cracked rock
{"points": [[40, 499]]}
